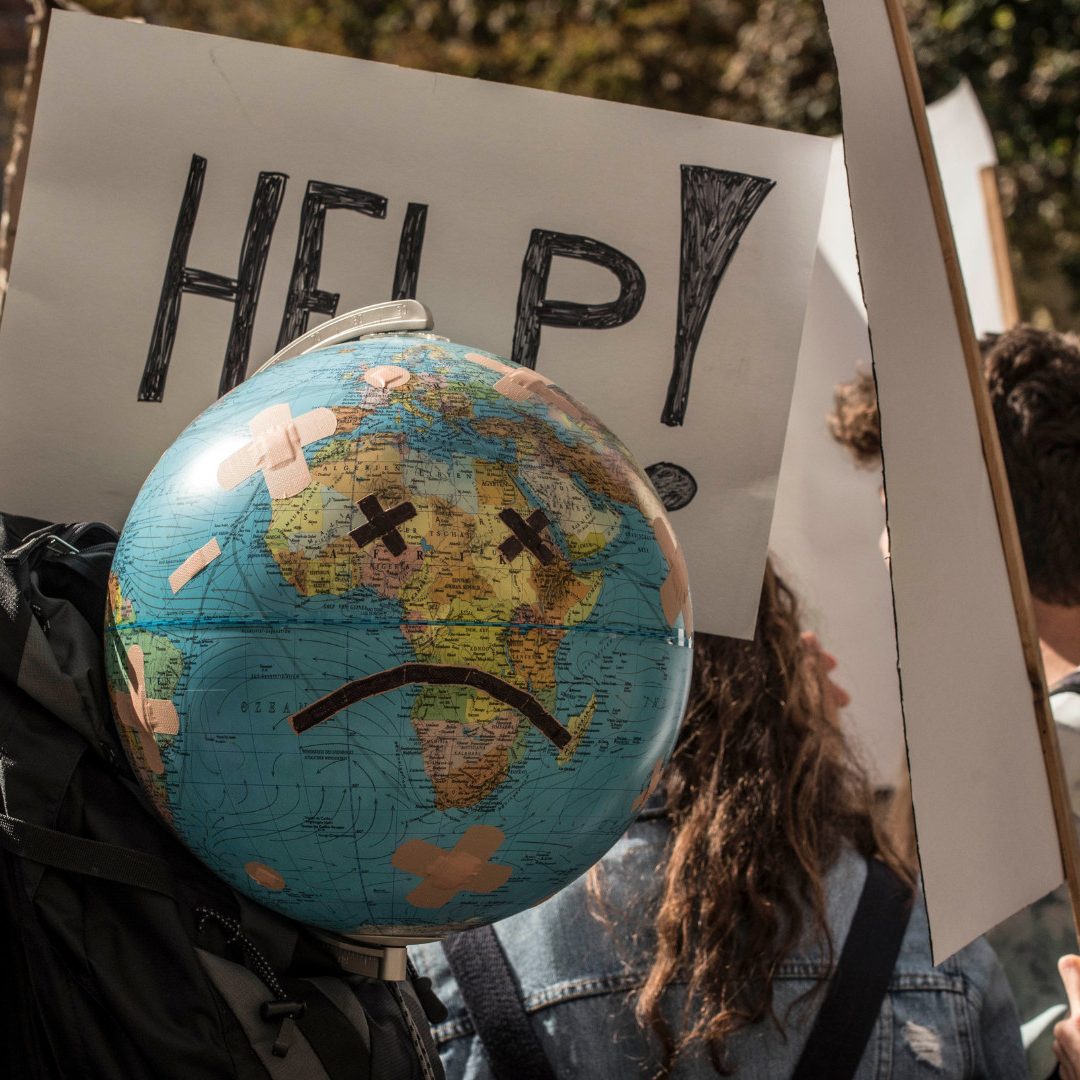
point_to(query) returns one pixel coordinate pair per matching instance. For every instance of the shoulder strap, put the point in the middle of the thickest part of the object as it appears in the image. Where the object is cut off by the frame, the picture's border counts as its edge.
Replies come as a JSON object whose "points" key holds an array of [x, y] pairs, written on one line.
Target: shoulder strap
{"points": [[80, 855], [857, 988], [493, 1001], [1068, 685]]}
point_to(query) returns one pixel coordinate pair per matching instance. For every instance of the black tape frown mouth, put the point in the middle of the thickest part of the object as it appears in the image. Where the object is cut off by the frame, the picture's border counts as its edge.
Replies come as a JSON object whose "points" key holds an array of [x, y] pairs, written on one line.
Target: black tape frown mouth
{"points": [[432, 674]]}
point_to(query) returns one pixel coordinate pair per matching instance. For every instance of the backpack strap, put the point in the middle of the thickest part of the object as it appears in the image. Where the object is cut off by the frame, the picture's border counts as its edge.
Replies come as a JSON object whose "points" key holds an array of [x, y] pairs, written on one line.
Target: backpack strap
{"points": [[493, 1001], [79, 855], [858, 985]]}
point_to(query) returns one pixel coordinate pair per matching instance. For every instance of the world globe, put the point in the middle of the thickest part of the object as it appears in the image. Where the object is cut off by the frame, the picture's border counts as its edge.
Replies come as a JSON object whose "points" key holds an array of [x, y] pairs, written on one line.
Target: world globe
{"points": [[398, 637]]}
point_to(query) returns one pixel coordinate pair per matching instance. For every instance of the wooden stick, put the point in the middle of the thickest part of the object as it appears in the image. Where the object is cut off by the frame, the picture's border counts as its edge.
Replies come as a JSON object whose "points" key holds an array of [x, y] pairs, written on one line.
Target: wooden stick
{"points": [[1010, 309], [995, 466], [15, 169]]}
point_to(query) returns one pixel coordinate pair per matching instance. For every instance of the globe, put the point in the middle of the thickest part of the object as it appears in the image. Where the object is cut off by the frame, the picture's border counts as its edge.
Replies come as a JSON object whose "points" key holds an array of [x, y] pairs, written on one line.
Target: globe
{"points": [[398, 637]]}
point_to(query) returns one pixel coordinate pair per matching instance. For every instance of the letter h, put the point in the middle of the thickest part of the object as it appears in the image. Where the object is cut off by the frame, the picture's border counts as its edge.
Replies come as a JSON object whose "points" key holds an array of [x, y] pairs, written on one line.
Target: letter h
{"points": [[242, 291]]}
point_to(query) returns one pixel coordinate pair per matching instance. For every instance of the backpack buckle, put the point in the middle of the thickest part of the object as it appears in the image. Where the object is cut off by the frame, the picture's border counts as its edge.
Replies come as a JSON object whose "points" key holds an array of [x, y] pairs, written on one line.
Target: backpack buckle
{"points": [[60, 547]]}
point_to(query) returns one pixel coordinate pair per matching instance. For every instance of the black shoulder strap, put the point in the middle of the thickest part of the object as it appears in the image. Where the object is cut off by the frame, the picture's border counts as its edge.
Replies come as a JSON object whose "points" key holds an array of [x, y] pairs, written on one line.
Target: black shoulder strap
{"points": [[1068, 685], [857, 988], [493, 1001], [80, 855]]}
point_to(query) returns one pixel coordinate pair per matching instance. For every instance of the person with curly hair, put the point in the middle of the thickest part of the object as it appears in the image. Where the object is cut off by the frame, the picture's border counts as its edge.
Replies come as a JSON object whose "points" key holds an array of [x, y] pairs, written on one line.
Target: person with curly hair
{"points": [[1033, 379], [704, 942], [854, 421]]}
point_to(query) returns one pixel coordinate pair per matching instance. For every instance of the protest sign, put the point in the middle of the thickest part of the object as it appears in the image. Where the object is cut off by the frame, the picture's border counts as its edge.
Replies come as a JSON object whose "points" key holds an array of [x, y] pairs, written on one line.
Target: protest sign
{"points": [[966, 159], [974, 705], [828, 514], [191, 202]]}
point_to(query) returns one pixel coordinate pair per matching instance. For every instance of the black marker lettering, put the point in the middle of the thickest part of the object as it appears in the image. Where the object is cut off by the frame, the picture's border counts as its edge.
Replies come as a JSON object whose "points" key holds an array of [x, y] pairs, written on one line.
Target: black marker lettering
{"points": [[535, 310], [717, 206], [410, 247], [304, 294], [675, 485], [242, 291]]}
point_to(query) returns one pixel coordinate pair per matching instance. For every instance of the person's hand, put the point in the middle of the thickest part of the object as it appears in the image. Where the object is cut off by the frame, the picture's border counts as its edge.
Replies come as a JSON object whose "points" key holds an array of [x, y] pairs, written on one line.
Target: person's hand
{"points": [[839, 698], [1067, 1032]]}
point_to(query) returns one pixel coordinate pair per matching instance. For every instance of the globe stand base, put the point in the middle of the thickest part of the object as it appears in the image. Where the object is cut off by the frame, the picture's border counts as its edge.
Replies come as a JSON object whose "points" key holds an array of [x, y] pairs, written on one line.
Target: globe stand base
{"points": [[371, 958]]}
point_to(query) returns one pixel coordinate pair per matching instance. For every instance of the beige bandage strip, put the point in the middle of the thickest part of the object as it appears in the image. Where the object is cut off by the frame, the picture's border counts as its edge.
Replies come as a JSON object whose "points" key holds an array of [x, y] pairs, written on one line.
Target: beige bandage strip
{"points": [[264, 875], [649, 502], [144, 715], [491, 363], [277, 450], [465, 868], [650, 787], [523, 383], [387, 377], [675, 592], [194, 564]]}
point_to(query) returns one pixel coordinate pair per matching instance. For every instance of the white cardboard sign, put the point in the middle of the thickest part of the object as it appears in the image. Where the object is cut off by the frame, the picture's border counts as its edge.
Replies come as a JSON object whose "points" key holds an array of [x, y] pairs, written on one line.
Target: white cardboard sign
{"points": [[828, 515], [986, 832], [182, 219]]}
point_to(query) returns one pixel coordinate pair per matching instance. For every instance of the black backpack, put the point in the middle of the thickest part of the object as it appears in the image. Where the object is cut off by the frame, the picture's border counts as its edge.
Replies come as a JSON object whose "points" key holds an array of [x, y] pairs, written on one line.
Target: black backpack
{"points": [[123, 956]]}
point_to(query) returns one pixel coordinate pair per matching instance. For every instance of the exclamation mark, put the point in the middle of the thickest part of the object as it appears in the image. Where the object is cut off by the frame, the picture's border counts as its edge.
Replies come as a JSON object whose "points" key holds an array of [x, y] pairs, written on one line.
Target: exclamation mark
{"points": [[717, 206]]}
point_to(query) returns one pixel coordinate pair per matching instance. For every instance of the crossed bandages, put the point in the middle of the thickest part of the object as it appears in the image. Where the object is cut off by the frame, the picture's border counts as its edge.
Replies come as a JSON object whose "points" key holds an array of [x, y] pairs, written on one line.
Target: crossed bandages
{"points": [[465, 868], [277, 447], [277, 450]]}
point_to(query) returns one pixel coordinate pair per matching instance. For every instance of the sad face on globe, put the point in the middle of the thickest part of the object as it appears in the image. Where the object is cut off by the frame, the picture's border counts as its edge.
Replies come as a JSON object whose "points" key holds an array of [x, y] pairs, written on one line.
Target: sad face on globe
{"points": [[399, 637]]}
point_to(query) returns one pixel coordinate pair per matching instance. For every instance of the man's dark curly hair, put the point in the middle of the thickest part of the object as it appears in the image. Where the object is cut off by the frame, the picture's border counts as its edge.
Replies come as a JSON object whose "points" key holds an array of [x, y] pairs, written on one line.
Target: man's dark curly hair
{"points": [[1034, 382]]}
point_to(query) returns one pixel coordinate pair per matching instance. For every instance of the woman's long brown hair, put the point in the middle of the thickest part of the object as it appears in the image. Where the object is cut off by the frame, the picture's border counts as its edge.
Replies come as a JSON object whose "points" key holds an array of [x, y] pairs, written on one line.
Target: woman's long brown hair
{"points": [[762, 794]]}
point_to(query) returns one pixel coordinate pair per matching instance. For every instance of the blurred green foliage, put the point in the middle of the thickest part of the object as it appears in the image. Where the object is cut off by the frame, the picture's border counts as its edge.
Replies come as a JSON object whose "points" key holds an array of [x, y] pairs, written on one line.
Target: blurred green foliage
{"points": [[1023, 58], [756, 61]]}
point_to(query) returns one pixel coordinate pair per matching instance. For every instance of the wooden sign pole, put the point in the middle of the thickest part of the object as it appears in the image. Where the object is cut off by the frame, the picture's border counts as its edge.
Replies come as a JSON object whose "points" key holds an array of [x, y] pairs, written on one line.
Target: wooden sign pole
{"points": [[994, 464], [15, 169]]}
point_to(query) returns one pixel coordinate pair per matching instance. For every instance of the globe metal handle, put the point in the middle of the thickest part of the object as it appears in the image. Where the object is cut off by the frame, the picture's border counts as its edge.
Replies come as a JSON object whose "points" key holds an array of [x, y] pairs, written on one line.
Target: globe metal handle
{"points": [[382, 318]]}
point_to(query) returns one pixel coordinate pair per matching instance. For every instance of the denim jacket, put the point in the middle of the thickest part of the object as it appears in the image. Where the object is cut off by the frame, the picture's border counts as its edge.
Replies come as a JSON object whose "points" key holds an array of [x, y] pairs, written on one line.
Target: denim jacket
{"points": [[577, 978], [1030, 942]]}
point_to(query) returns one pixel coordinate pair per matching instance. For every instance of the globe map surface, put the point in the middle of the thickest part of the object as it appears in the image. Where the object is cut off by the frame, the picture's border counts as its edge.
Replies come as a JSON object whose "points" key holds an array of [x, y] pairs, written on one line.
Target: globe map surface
{"points": [[398, 637]]}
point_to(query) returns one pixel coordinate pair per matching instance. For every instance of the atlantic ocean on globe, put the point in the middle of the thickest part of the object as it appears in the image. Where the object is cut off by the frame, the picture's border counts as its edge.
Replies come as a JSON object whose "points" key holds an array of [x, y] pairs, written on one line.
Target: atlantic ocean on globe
{"points": [[398, 637]]}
